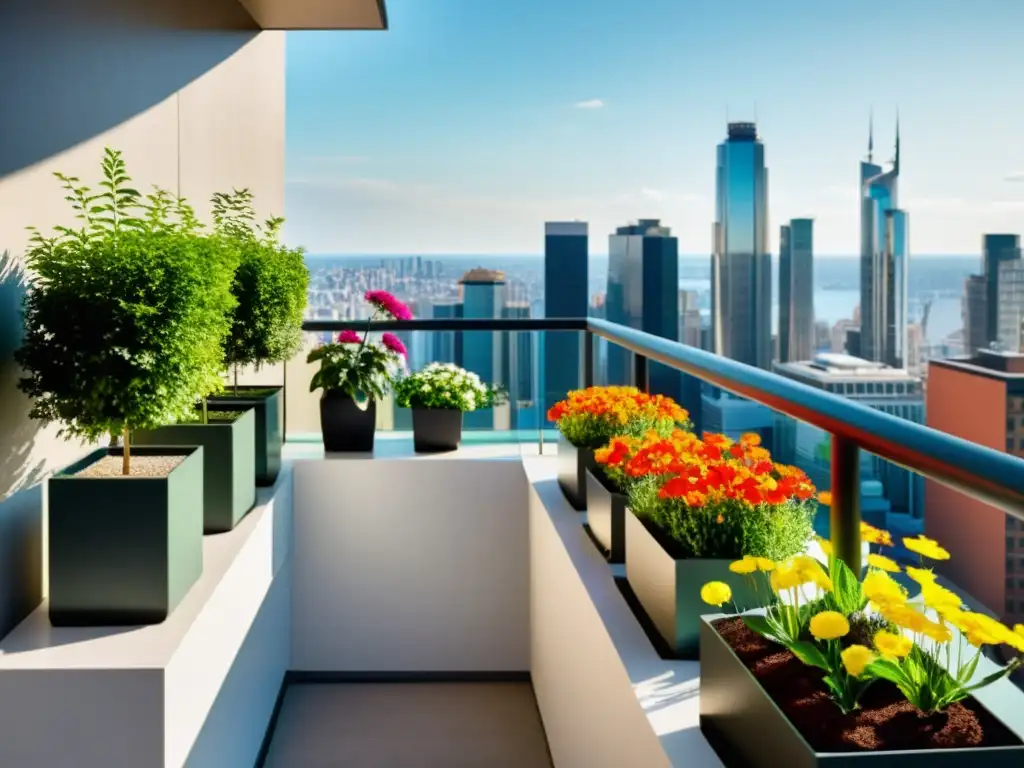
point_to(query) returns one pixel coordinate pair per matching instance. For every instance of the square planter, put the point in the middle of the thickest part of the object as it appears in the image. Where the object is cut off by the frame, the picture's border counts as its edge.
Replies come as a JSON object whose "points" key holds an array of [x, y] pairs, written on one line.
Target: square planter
{"points": [[267, 404], [229, 463], [572, 468], [435, 430], [606, 516], [124, 550], [748, 730], [669, 589]]}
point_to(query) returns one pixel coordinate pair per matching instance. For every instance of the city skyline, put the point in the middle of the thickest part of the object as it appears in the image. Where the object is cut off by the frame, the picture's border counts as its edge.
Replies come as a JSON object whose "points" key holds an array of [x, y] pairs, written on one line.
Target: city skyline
{"points": [[469, 148]]}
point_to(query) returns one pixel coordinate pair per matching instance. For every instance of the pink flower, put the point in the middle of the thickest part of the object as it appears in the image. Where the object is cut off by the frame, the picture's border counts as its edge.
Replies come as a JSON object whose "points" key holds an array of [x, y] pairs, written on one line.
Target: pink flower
{"points": [[349, 337], [385, 302], [393, 343]]}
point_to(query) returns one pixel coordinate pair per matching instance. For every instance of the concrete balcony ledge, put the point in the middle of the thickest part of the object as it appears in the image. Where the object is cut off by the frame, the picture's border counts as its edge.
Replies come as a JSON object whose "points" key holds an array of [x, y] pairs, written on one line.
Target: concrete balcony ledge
{"points": [[197, 689]]}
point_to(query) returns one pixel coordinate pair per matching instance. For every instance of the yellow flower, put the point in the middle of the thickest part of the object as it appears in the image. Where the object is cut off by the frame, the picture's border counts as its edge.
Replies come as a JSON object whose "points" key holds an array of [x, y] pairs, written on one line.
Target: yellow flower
{"points": [[880, 588], [785, 576], [764, 564], [826, 546], [810, 570], [894, 646], [715, 593], [940, 598], [855, 658], [981, 629], [873, 535], [921, 575], [884, 563], [829, 625], [926, 547], [745, 566]]}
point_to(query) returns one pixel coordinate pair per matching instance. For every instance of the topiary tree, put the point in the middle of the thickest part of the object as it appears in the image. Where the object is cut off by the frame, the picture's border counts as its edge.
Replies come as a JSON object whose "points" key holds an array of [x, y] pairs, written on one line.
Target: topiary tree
{"points": [[270, 286], [126, 315]]}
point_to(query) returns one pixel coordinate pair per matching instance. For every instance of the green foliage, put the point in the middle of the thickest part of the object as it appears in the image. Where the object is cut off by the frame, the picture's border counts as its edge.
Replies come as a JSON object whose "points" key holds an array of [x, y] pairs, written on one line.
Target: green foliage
{"points": [[366, 369], [270, 285], [728, 529], [126, 314], [591, 432], [443, 385]]}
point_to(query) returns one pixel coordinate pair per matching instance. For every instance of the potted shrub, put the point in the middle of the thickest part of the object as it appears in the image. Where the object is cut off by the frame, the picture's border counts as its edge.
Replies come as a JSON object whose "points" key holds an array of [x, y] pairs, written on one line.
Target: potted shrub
{"points": [[695, 506], [270, 290], [438, 396], [355, 372], [860, 673], [588, 418], [122, 328]]}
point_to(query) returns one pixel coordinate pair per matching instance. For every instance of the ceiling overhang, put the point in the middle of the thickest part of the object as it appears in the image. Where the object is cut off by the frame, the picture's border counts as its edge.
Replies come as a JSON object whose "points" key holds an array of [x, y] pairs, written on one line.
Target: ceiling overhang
{"points": [[318, 14]]}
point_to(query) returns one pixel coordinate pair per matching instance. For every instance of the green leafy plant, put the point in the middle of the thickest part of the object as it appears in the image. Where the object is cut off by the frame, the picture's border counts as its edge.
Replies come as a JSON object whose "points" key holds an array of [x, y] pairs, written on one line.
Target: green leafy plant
{"points": [[444, 385], [270, 286], [125, 314]]}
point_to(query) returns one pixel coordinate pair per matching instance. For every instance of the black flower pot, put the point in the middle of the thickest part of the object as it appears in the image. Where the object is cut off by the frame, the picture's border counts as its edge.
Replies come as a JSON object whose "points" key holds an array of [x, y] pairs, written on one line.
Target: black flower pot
{"points": [[606, 515], [347, 427], [573, 463], [436, 429], [267, 404]]}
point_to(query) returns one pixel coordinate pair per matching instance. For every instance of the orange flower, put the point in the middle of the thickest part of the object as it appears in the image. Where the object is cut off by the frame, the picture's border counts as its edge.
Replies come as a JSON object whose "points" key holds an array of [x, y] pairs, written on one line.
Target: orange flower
{"points": [[825, 497]]}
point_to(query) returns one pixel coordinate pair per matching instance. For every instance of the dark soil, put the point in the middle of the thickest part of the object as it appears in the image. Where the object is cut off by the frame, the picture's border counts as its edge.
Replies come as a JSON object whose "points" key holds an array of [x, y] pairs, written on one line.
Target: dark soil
{"points": [[214, 417], [244, 393], [886, 721]]}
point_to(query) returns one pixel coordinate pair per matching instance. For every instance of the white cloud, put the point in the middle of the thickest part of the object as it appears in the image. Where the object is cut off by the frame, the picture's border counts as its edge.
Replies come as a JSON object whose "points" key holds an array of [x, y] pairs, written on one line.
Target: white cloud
{"points": [[589, 104], [1019, 176], [651, 194]]}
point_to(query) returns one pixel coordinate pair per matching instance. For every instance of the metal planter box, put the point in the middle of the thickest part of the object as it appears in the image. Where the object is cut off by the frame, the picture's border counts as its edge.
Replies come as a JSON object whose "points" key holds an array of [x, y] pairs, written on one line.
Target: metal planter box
{"points": [[573, 463], [669, 589], [267, 404], [229, 463], [748, 730], [606, 516], [124, 550]]}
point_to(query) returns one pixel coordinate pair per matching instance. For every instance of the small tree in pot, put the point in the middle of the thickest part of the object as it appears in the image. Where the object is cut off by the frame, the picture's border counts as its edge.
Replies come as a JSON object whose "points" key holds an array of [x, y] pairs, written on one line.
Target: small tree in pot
{"points": [[438, 395], [355, 372]]}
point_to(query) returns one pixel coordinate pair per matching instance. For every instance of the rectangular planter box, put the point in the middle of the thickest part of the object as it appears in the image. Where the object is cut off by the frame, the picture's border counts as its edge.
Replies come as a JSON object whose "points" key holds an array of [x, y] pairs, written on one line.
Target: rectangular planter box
{"points": [[572, 467], [124, 550], [267, 403], [229, 463], [669, 589], [606, 516], [748, 730]]}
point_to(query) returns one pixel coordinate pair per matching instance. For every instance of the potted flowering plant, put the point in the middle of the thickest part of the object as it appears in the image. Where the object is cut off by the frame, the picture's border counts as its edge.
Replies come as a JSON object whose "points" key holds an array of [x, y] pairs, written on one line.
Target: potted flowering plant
{"points": [[355, 372], [588, 418], [438, 395], [695, 505], [847, 670]]}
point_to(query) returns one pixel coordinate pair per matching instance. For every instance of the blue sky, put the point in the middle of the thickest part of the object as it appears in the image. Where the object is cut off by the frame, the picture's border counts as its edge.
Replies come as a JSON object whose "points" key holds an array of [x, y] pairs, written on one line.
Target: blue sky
{"points": [[471, 122]]}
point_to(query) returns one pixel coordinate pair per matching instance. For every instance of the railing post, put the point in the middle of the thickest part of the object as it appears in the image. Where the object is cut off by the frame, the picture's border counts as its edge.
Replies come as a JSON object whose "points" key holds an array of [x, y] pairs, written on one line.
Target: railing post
{"points": [[640, 372], [844, 515], [587, 359]]}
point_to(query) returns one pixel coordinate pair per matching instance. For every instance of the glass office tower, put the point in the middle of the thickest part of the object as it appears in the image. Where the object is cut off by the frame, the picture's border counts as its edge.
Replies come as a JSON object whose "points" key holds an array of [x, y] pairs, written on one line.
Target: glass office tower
{"points": [[483, 297], [884, 258], [566, 258], [796, 291], [741, 278], [996, 249]]}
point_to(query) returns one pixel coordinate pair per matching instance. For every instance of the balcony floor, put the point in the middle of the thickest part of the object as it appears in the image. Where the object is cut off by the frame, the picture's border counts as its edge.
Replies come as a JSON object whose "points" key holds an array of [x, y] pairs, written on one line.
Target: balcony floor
{"points": [[409, 725]]}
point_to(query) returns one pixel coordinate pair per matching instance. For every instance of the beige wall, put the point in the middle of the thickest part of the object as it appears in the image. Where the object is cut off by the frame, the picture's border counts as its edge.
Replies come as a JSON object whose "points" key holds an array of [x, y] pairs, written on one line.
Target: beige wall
{"points": [[191, 92]]}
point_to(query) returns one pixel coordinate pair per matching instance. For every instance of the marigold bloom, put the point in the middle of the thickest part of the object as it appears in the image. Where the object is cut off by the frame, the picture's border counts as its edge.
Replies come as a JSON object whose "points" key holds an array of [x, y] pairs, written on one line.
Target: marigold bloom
{"points": [[829, 625], [883, 563], [926, 547], [892, 645], [825, 498], [856, 658], [715, 593], [744, 567]]}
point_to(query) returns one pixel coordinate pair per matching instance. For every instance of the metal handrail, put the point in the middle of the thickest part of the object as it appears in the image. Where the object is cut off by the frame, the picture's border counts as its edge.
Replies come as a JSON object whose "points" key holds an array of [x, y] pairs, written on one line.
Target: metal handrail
{"points": [[992, 476]]}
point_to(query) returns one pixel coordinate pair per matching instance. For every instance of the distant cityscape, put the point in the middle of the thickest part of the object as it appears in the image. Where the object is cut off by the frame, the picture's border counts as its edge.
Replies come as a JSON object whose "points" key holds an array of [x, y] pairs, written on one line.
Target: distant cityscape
{"points": [[916, 337]]}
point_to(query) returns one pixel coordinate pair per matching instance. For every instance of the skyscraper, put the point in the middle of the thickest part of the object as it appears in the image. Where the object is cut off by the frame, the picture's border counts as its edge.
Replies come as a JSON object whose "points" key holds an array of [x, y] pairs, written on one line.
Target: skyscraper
{"points": [[517, 362], [566, 293], [483, 293], [447, 345], [883, 261], [796, 291], [997, 250], [741, 282], [643, 293]]}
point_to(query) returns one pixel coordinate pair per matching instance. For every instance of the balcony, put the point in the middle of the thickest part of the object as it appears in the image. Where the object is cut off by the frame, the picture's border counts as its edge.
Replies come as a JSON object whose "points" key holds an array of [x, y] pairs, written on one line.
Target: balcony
{"points": [[399, 609]]}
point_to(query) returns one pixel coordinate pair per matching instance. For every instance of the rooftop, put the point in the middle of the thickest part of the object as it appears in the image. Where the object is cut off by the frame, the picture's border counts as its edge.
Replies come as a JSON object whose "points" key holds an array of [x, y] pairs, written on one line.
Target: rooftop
{"points": [[482, 275], [835, 367]]}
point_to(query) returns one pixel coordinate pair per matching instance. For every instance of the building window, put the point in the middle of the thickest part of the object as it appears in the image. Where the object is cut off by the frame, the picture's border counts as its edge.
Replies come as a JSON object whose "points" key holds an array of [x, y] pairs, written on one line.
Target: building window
{"points": [[1009, 444], [1009, 565], [1010, 424]]}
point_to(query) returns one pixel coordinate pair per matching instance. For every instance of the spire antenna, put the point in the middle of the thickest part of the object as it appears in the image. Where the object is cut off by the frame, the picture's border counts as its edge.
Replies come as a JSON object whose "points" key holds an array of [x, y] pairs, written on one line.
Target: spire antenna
{"points": [[896, 161], [871, 134]]}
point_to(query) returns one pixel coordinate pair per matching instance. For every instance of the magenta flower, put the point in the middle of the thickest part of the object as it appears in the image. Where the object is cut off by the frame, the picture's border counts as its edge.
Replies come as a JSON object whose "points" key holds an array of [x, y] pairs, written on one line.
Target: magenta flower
{"points": [[385, 302], [349, 337], [393, 343]]}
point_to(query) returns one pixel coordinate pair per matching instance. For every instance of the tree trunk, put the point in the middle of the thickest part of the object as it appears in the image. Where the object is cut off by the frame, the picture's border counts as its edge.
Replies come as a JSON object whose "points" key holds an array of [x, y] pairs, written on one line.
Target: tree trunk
{"points": [[236, 379], [126, 459]]}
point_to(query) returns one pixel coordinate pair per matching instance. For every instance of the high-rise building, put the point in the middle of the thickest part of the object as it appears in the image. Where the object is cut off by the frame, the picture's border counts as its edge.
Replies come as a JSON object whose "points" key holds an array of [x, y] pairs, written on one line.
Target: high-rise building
{"points": [[796, 291], [643, 293], [883, 261], [996, 250], [741, 281], [483, 297], [517, 363], [689, 318], [566, 294], [1010, 319], [447, 345], [988, 554]]}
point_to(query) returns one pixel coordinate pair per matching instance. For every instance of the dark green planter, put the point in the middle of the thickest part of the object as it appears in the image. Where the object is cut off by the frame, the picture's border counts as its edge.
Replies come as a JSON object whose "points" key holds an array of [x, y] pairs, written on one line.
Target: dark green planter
{"points": [[268, 405], [229, 464], [606, 516], [669, 589], [124, 550], [748, 730], [572, 472]]}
